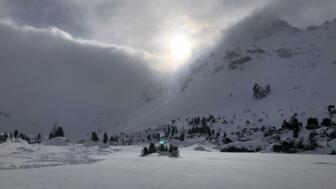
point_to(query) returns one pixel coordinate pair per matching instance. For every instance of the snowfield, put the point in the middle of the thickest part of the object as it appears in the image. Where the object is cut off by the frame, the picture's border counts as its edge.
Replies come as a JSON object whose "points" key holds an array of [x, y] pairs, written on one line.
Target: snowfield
{"points": [[122, 167], [21, 155]]}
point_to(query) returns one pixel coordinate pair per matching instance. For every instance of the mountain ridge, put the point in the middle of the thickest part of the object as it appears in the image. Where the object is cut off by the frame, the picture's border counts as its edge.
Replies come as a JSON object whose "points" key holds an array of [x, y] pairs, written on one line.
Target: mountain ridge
{"points": [[221, 81], [293, 53]]}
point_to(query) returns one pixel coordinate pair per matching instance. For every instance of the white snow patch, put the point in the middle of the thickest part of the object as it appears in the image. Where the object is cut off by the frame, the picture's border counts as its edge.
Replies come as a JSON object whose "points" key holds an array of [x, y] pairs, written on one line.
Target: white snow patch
{"points": [[57, 141], [194, 169]]}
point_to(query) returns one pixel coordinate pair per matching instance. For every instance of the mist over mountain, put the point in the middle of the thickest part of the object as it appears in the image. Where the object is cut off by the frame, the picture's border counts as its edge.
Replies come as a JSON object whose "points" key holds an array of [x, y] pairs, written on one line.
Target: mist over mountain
{"points": [[298, 64], [55, 72], [48, 77]]}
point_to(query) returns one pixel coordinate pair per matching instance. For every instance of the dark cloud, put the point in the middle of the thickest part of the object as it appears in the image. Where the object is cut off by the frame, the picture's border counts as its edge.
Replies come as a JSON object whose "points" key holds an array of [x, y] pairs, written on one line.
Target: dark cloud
{"points": [[46, 76]]}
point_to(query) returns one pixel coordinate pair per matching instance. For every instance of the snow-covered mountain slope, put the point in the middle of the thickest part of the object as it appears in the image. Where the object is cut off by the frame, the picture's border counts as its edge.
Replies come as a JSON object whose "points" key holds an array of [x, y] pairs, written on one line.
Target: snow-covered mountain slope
{"points": [[298, 64]]}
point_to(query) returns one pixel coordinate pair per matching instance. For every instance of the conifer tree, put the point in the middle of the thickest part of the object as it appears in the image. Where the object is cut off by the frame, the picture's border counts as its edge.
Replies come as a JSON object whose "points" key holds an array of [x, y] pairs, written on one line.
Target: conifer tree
{"points": [[182, 136], [105, 139], [59, 132], [94, 137], [39, 138], [111, 138], [16, 133]]}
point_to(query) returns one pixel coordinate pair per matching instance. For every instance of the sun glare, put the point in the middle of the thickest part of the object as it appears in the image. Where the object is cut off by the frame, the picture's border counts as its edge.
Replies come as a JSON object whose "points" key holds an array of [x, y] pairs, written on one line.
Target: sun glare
{"points": [[180, 47]]}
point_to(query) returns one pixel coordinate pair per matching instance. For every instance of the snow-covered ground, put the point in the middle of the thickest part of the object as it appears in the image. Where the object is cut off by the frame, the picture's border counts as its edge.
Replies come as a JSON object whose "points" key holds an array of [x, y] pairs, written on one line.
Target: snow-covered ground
{"points": [[20, 155], [121, 167]]}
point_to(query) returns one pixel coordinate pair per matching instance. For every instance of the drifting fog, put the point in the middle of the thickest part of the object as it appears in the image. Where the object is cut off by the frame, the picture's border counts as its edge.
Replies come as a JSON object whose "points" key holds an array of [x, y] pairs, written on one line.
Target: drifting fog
{"points": [[47, 75], [63, 61]]}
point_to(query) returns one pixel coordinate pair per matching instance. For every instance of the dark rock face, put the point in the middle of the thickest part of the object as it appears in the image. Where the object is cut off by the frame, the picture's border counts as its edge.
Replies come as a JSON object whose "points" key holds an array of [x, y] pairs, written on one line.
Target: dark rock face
{"points": [[240, 61], [218, 69], [231, 55], [256, 51], [260, 92], [284, 53]]}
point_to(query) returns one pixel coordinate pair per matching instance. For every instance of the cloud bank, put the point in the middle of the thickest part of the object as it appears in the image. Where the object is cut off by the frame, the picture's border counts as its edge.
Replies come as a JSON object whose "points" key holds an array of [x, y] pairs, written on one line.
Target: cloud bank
{"points": [[64, 61], [46, 75], [143, 24]]}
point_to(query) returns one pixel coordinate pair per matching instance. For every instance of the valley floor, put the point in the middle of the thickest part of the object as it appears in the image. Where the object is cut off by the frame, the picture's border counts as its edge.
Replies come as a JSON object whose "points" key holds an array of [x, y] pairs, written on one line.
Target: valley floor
{"points": [[121, 167]]}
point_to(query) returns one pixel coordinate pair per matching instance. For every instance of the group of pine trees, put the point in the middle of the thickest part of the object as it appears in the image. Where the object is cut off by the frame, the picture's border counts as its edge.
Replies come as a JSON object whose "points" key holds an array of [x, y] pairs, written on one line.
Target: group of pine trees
{"points": [[202, 126], [162, 149], [293, 125], [293, 146], [56, 132], [106, 139], [17, 135]]}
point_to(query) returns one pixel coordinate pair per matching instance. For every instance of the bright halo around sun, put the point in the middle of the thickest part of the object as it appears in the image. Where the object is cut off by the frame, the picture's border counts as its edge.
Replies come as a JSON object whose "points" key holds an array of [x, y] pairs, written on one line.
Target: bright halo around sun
{"points": [[180, 47]]}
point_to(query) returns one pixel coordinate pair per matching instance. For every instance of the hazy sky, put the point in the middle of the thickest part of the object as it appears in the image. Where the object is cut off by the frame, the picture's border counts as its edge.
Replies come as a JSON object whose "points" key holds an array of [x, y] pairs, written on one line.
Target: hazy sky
{"points": [[149, 25], [61, 58], [137, 23]]}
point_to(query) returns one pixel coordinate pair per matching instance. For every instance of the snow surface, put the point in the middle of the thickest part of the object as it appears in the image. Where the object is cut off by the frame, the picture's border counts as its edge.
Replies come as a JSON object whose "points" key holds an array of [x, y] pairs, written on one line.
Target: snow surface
{"points": [[122, 167], [18, 154]]}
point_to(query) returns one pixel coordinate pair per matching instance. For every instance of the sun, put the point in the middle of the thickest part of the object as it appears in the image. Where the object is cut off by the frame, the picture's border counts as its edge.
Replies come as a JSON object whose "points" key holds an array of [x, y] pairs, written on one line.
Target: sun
{"points": [[180, 47]]}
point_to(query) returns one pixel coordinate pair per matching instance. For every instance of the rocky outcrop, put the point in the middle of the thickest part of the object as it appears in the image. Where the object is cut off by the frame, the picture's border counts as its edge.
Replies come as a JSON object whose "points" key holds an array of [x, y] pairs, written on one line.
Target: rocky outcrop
{"points": [[260, 92], [233, 65], [284, 53]]}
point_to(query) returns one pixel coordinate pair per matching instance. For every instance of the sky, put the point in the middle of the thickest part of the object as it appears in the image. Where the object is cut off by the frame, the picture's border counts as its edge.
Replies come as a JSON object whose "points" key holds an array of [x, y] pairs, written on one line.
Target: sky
{"points": [[66, 58], [150, 26], [142, 24]]}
